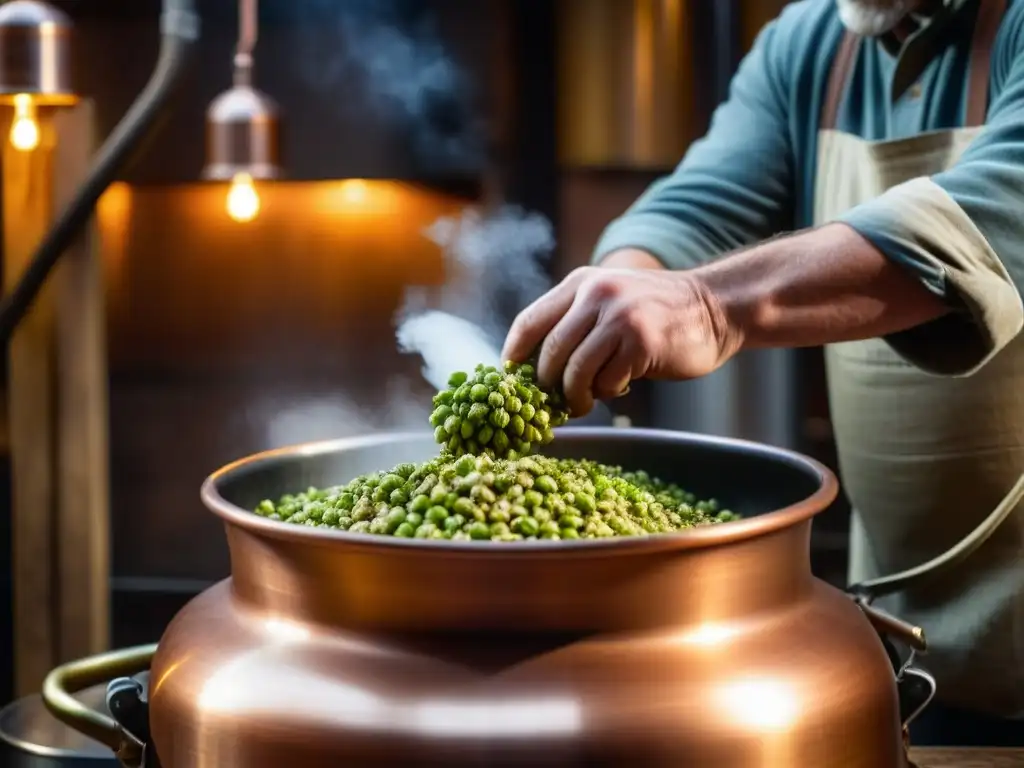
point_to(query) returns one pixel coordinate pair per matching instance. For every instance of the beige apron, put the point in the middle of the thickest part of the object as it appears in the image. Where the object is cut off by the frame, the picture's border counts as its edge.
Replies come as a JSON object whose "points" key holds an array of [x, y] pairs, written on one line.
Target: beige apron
{"points": [[924, 459]]}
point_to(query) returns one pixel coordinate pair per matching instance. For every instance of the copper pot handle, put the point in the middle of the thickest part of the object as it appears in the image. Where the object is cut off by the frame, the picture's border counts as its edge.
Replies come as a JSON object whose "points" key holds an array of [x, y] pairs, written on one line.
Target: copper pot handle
{"points": [[887, 624], [84, 673]]}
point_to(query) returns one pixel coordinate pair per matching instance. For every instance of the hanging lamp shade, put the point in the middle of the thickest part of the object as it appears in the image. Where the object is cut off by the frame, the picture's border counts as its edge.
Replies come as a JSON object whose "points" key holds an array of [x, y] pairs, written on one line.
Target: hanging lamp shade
{"points": [[242, 136], [35, 42]]}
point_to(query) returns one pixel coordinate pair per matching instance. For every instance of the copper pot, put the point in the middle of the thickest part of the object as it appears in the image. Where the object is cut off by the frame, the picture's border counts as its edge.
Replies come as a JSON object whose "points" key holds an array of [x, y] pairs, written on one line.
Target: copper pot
{"points": [[713, 647]]}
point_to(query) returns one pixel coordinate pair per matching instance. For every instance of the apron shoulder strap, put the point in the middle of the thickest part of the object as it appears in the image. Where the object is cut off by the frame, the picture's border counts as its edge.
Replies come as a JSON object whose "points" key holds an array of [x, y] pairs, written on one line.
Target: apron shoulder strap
{"points": [[986, 26], [842, 63]]}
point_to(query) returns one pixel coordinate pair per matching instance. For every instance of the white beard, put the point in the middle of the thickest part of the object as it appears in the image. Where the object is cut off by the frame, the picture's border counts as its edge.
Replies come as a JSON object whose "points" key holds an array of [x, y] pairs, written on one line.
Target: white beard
{"points": [[871, 18]]}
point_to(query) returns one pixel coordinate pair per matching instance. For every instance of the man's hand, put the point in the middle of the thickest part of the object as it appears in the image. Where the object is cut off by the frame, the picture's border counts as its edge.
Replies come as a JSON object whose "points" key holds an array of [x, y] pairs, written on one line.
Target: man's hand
{"points": [[602, 327]]}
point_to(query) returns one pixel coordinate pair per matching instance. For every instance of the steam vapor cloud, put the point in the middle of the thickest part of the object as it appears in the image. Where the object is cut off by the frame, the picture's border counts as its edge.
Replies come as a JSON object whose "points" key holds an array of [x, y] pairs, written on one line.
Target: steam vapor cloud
{"points": [[288, 420], [494, 266], [393, 48]]}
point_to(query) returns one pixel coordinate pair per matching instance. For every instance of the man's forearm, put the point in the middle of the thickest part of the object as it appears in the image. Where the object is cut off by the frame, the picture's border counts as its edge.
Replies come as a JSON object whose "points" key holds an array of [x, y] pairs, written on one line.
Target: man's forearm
{"points": [[818, 287]]}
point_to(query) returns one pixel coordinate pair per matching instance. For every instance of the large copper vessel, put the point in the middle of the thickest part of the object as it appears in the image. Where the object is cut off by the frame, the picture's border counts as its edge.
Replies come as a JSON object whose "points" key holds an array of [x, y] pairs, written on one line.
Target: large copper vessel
{"points": [[714, 647]]}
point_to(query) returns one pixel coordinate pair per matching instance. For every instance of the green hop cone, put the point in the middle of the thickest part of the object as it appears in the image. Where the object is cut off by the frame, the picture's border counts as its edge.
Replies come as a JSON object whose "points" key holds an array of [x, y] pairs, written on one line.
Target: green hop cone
{"points": [[497, 413]]}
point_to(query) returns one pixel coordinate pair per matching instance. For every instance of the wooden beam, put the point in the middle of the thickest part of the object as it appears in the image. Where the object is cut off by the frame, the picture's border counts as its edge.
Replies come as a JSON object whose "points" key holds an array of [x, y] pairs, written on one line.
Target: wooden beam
{"points": [[57, 412], [27, 209], [82, 461]]}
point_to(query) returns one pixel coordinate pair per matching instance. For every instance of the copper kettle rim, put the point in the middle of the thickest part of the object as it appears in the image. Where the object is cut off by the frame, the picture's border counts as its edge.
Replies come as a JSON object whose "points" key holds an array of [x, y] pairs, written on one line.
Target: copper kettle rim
{"points": [[698, 538]]}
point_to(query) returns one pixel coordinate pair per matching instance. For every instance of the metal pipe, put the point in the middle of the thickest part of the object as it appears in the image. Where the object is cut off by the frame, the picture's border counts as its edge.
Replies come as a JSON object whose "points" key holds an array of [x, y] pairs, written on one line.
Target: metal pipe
{"points": [[248, 34], [179, 26]]}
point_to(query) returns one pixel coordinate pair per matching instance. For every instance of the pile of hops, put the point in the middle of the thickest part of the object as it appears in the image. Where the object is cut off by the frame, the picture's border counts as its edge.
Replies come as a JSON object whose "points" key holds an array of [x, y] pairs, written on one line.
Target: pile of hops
{"points": [[486, 486], [500, 414], [513, 499]]}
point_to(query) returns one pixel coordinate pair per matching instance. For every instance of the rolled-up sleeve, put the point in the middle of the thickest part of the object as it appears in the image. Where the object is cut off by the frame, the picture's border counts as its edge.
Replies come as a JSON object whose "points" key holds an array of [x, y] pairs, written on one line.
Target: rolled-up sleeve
{"points": [[735, 185], [961, 232]]}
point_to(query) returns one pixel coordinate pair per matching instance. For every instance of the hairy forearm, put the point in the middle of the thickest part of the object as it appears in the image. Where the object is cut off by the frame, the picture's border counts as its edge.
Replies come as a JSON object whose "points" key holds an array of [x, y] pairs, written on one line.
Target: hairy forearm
{"points": [[818, 287]]}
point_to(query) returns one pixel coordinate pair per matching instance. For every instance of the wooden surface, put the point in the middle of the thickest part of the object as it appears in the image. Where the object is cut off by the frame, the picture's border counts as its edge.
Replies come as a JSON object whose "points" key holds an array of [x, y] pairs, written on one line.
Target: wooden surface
{"points": [[82, 525], [968, 758], [27, 201], [57, 412]]}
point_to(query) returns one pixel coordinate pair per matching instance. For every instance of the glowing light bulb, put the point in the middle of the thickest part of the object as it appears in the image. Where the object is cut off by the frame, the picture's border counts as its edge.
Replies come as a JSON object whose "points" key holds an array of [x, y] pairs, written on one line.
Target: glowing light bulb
{"points": [[24, 129], [353, 191], [243, 201]]}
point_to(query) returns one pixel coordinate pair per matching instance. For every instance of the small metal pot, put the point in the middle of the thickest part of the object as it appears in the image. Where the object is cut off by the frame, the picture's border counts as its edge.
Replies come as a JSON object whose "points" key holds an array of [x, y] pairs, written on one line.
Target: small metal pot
{"points": [[714, 646]]}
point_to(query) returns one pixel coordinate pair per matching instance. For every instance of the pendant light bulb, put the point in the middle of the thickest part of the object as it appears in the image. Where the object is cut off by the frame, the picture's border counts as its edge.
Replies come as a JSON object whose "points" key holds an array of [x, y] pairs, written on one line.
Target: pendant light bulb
{"points": [[24, 129], [243, 201], [242, 129]]}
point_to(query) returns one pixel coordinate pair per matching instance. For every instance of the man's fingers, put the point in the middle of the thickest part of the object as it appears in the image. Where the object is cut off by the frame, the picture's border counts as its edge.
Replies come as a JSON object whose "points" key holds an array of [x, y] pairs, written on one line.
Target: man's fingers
{"points": [[562, 341], [537, 320], [583, 366], [534, 322], [614, 378]]}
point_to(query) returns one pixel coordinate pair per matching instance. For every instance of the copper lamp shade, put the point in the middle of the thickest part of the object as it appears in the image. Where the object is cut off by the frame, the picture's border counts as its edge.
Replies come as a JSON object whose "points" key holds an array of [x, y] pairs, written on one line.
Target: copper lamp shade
{"points": [[242, 136], [35, 53]]}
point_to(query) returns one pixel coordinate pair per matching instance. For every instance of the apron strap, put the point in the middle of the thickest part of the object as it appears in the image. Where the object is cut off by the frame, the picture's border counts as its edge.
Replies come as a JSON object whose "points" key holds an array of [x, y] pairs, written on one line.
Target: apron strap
{"points": [[986, 26], [840, 73]]}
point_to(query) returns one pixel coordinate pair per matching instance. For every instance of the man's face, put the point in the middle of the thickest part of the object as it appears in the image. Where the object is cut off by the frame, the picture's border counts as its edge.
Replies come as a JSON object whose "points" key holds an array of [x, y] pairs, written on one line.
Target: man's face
{"points": [[873, 17]]}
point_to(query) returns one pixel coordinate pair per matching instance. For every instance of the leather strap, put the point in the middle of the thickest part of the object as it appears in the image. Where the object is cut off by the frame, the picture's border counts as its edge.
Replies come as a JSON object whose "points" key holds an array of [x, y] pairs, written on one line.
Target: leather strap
{"points": [[842, 63], [986, 26]]}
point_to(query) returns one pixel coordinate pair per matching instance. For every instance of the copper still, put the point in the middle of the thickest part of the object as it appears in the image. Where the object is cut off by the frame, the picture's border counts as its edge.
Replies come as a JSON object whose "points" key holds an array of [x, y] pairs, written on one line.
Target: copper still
{"points": [[712, 647]]}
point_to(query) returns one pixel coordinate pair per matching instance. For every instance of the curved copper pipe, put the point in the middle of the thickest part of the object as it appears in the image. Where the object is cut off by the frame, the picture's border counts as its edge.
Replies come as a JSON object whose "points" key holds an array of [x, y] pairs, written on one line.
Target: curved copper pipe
{"points": [[248, 34]]}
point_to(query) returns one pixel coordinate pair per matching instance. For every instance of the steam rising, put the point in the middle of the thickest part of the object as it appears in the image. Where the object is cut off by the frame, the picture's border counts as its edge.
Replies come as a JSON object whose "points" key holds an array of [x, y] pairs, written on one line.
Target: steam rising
{"points": [[447, 344], [394, 50], [495, 267], [333, 415]]}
